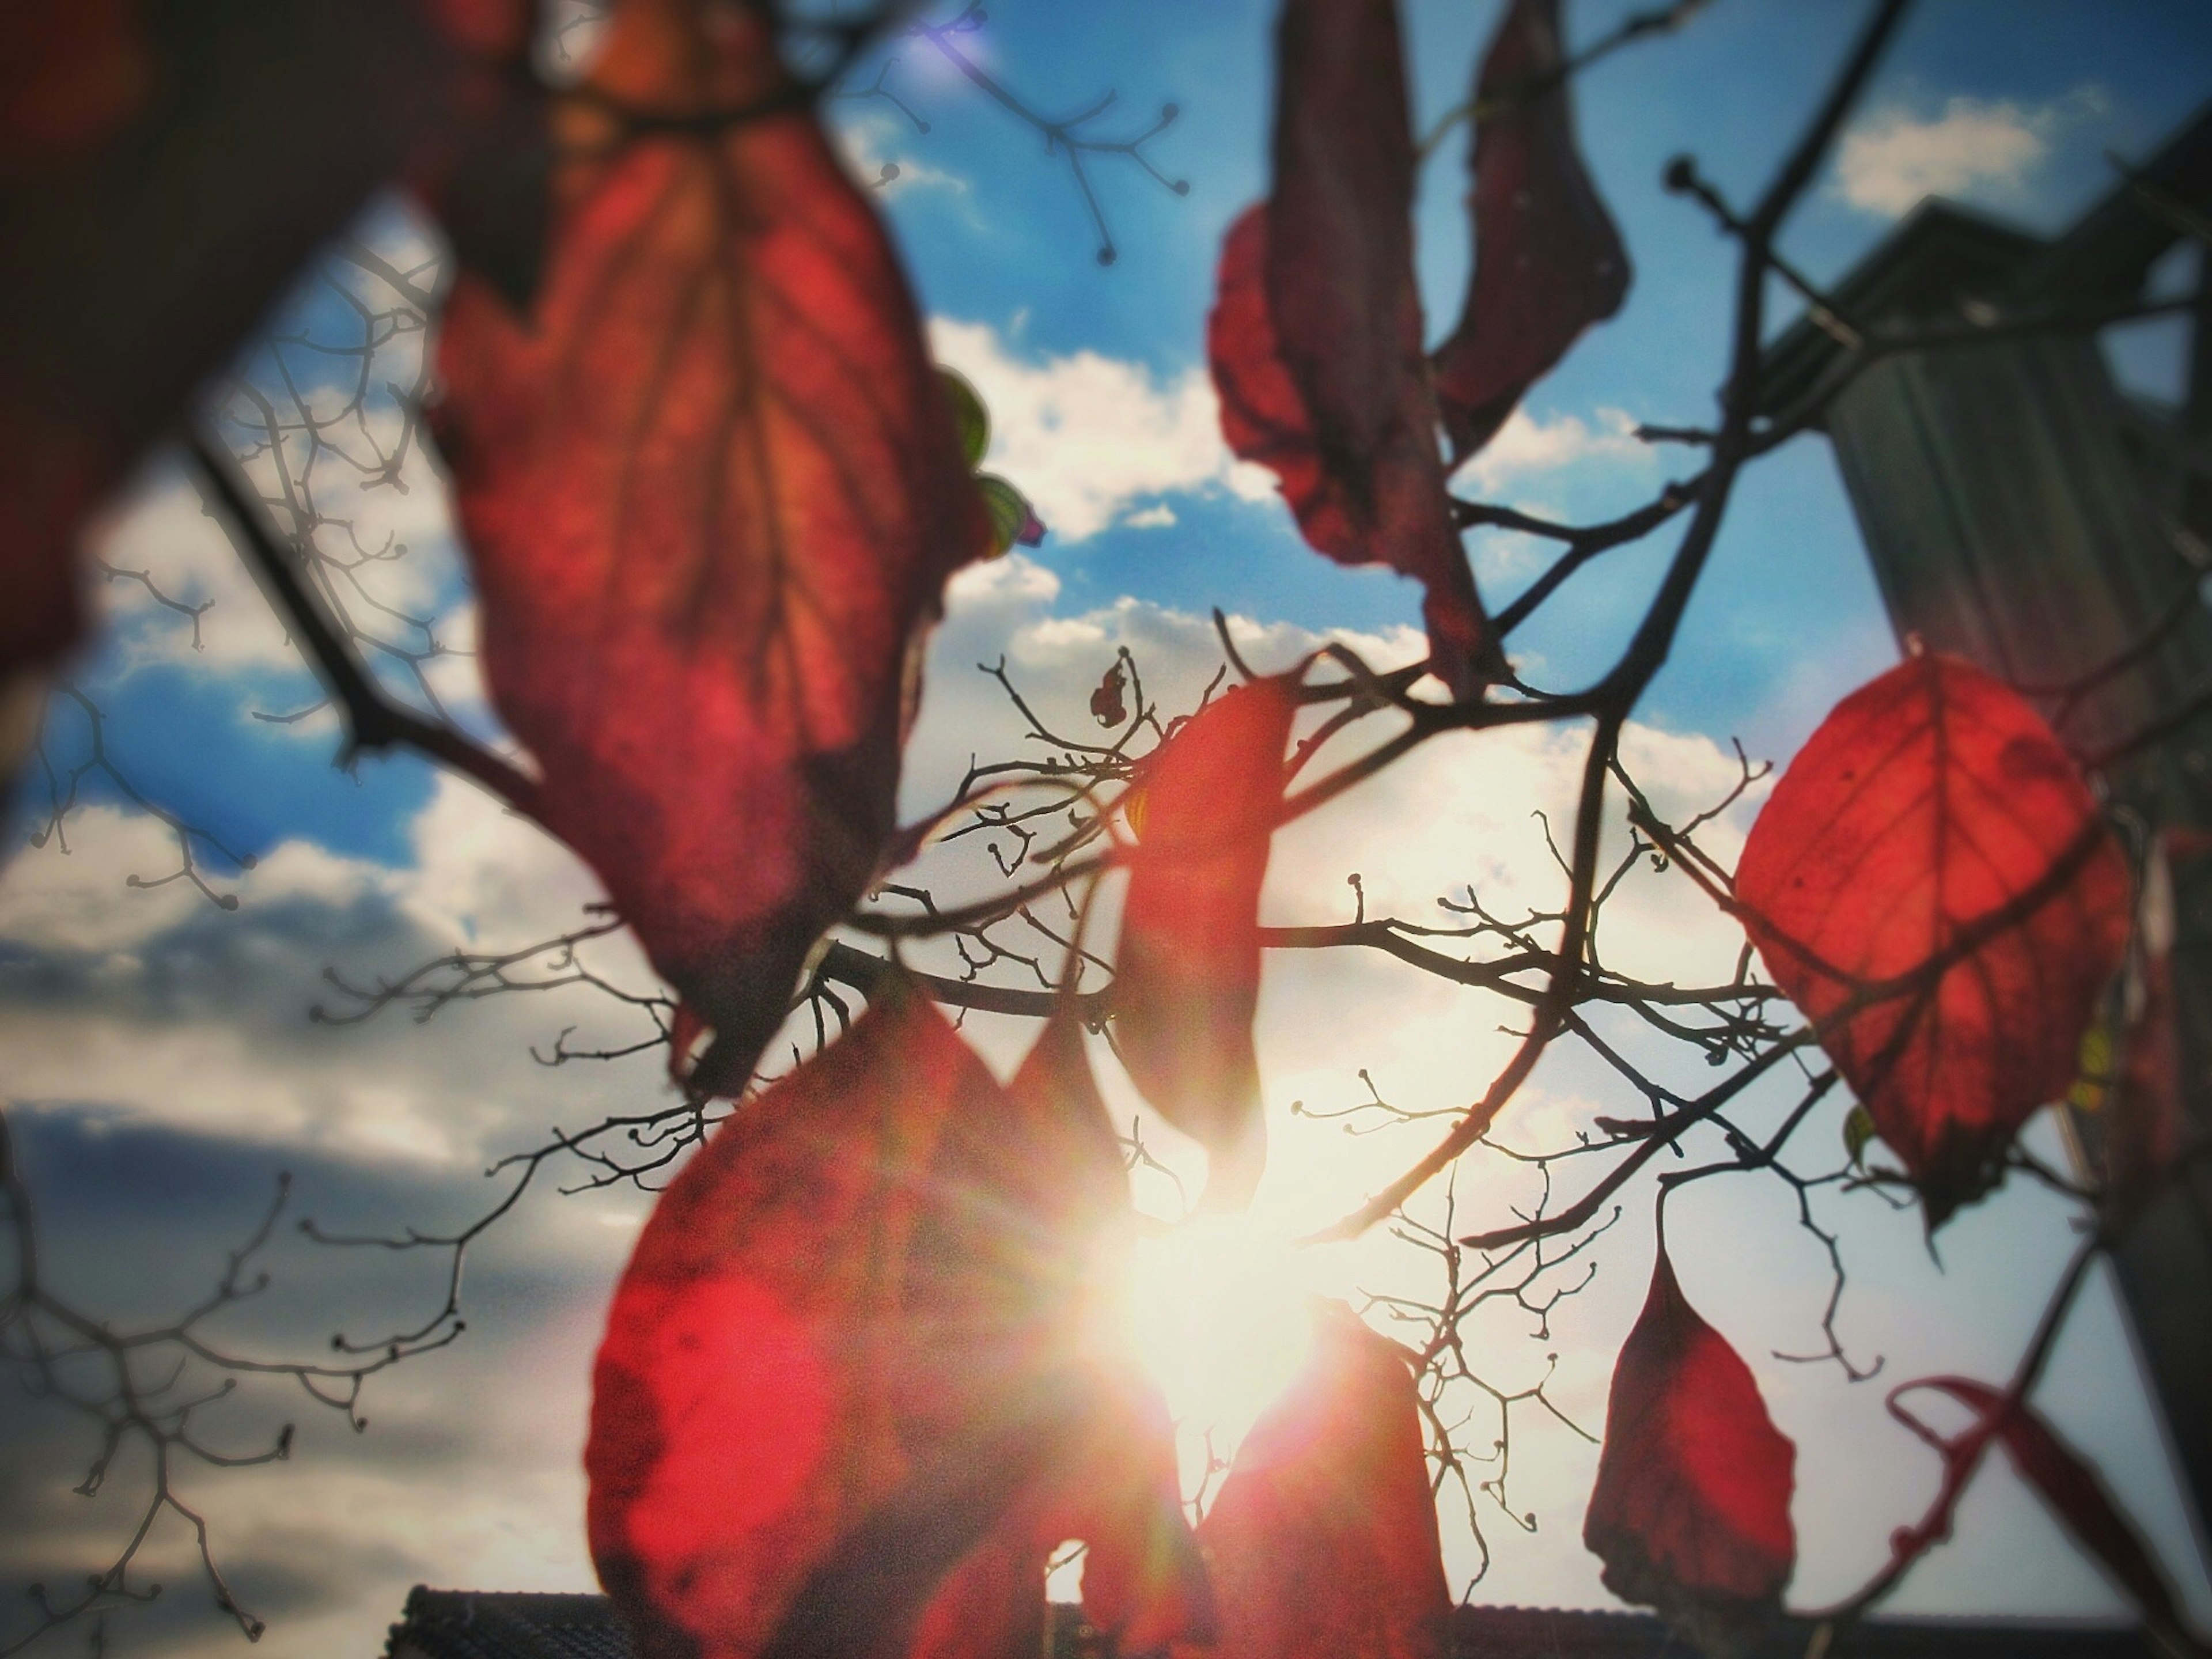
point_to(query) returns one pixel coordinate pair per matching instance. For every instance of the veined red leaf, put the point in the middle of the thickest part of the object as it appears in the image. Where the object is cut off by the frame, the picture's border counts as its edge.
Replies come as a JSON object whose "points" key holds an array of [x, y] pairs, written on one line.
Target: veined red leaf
{"points": [[1691, 1511], [1187, 977], [1932, 884], [846, 1386], [1315, 336], [1322, 1542], [1548, 262], [711, 490], [2075, 1493]]}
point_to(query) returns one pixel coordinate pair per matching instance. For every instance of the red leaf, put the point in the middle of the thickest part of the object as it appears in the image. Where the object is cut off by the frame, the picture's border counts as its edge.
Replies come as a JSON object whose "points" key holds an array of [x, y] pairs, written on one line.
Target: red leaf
{"points": [[1187, 978], [1322, 1542], [1315, 336], [1691, 1511], [845, 1389], [150, 218], [713, 491], [72, 75], [485, 28], [2076, 1494], [1547, 260], [1933, 843]]}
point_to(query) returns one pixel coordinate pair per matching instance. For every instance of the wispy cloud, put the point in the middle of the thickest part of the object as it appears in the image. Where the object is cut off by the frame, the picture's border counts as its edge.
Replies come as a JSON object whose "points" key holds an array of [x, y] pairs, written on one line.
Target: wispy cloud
{"points": [[1894, 158], [1530, 449]]}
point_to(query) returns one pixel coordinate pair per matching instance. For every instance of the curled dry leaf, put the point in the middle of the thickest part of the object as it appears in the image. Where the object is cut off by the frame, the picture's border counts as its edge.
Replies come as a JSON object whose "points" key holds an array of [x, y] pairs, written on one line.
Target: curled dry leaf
{"points": [[2076, 1494], [1109, 706], [712, 488], [1186, 976], [1322, 1542], [1691, 1511], [1932, 882], [1548, 262], [1315, 336], [849, 1397]]}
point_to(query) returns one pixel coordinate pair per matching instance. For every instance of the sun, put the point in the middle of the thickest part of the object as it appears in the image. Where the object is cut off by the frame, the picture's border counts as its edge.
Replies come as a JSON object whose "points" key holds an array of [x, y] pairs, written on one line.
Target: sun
{"points": [[1219, 1312]]}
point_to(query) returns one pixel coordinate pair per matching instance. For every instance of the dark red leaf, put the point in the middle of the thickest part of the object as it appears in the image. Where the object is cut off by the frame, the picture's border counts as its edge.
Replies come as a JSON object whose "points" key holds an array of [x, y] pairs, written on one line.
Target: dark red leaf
{"points": [[847, 1388], [711, 490], [1322, 1541], [2076, 1494], [1315, 336], [1931, 882], [485, 28], [150, 218], [1691, 1511], [72, 75], [1547, 260], [1187, 978]]}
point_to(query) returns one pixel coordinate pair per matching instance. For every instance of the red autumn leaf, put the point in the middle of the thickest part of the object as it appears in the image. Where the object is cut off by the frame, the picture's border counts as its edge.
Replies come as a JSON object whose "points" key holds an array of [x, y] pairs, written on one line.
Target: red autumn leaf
{"points": [[1691, 1511], [712, 490], [845, 1389], [1322, 1542], [1548, 262], [72, 75], [1315, 336], [1187, 978], [150, 219], [1932, 884], [2076, 1494]]}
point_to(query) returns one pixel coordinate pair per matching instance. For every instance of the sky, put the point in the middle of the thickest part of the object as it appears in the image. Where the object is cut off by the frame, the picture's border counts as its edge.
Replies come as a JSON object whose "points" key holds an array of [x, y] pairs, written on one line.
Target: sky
{"points": [[164, 1068]]}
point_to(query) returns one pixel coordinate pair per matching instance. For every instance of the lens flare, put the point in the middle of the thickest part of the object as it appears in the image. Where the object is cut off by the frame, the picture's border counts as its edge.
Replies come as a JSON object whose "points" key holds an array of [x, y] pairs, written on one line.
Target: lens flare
{"points": [[1220, 1315]]}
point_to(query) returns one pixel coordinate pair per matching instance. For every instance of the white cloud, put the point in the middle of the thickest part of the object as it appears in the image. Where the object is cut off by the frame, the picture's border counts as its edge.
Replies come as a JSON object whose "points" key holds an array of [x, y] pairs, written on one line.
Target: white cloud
{"points": [[1530, 449], [878, 152], [1892, 159], [1085, 436], [1159, 516]]}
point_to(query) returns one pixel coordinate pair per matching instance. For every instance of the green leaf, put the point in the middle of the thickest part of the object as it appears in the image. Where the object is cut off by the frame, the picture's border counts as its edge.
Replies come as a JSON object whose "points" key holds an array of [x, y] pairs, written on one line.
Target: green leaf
{"points": [[1858, 1130], [1011, 520], [969, 415]]}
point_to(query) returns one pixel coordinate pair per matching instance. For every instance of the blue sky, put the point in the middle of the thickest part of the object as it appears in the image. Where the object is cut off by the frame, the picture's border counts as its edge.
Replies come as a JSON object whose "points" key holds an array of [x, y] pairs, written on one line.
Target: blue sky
{"points": [[161, 1045]]}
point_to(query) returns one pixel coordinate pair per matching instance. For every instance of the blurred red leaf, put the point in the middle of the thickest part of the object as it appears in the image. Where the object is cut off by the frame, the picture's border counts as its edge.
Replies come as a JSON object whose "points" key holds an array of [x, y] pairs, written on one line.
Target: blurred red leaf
{"points": [[72, 75], [1548, 262], [1187, 978], [1932, 884], [2076, 1494], [1315, 336], [845, 1391], [151, 216], [1691, 1511], [711, 490], [1322, 1542]]}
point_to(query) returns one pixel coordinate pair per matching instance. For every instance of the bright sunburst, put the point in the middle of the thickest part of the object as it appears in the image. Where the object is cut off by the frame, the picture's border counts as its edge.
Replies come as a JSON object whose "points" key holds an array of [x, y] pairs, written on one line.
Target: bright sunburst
{"points": [[1220, 1315]]}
